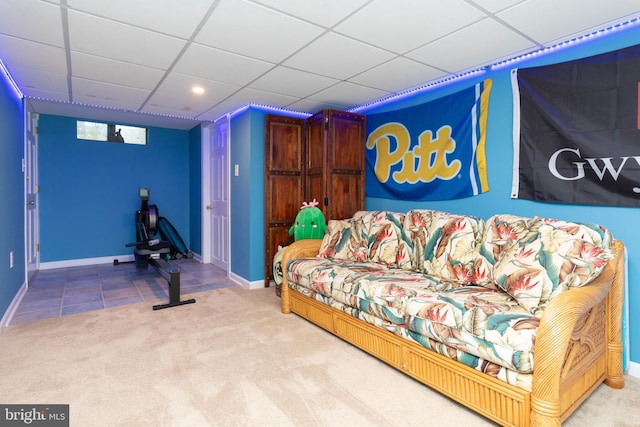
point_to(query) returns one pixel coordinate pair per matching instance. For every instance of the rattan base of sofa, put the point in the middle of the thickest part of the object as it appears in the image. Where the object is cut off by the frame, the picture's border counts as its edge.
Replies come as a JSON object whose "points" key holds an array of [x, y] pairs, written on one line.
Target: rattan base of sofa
{"points": [[492, 398]]}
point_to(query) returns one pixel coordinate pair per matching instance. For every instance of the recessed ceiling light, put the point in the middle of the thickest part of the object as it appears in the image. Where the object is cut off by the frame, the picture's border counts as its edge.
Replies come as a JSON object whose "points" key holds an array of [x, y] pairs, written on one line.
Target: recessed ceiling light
{"points": [[198, 90]]}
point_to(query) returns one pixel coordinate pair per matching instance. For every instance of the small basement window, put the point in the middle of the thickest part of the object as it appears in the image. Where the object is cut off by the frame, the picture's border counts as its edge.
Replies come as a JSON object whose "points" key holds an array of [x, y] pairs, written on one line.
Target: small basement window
{"points": [[94, 131]]}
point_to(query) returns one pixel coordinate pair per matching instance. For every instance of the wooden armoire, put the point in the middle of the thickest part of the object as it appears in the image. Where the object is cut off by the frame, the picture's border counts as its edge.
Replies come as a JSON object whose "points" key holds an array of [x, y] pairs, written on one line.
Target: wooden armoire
{"points": [[319, 158]]}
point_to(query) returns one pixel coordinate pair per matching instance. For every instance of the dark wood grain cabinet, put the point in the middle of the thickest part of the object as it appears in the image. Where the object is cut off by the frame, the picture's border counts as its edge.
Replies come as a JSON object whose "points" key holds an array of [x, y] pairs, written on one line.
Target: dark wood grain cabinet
{"points": [[319, 158]]}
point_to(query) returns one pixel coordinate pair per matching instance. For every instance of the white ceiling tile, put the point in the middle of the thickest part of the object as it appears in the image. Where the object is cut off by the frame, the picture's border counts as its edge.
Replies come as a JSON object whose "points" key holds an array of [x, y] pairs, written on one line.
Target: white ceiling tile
{"points": [[181, 85], [348, 94], [548, 21], [41, 80], [338, 57], [398, 74], [471, 47], [112, 71], [28, 54], [106, 91], [173, 17], [292, 82], [255, 31], [110, 39], [327, 14], [105, 102], [214, 64], [494, 6], [182, 105], [414, 23], [46, 94], [255, 96], [310, 106], [216, 112], [32, 20]]}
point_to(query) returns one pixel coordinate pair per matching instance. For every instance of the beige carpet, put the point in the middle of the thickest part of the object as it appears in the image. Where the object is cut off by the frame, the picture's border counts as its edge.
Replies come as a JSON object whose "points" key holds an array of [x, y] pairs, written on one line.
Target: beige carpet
{"points": [[231, 359]]}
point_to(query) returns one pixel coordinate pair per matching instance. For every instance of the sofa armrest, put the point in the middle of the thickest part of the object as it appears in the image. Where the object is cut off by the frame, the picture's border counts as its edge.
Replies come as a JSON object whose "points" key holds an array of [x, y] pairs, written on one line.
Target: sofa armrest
{"points": [[301, 249], [568, 320]]}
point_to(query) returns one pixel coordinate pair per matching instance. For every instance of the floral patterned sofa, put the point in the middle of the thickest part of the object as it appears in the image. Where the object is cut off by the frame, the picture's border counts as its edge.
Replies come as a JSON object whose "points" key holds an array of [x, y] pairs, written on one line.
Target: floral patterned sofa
{"points": [[517, 318]]}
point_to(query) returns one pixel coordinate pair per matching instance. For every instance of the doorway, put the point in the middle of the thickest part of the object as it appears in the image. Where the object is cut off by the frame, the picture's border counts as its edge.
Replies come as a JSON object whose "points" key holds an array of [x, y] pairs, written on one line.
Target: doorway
{"points": [[215, 193]]}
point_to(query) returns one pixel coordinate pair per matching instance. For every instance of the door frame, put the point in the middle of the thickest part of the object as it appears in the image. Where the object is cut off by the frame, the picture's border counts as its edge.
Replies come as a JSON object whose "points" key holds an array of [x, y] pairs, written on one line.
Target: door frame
{"points": [[31, 237], [209, 132]]}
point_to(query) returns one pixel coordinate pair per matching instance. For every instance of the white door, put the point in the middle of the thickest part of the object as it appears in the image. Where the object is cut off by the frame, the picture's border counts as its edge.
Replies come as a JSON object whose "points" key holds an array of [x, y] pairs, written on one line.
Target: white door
{"points": [[218, 207], [32, 238]]}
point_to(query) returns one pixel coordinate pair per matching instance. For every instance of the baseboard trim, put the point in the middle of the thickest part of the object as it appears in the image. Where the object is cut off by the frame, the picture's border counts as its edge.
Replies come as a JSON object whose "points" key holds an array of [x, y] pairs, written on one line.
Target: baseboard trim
{"points": [[256, 284], [85, 261], [634, 369], [13, 307]]}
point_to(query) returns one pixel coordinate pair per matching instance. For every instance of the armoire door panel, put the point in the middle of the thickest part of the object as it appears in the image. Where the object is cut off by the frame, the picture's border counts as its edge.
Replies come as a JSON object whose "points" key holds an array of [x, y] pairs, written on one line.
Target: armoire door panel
{"points": [[285, 194], [347, 134], [346, 195], [285, 147], [316, 144], [284, 182]]}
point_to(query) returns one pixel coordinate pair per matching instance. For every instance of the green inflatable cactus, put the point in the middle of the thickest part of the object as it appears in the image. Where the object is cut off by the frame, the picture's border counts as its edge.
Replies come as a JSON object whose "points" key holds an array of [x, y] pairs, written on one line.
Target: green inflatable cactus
{"points": [[310, 223]]}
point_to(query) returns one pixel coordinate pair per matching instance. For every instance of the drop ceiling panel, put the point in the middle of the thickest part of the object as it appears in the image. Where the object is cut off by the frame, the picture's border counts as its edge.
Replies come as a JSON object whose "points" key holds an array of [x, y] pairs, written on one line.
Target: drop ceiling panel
{"points": [[106, 91], [42, 81], [398, 74], [292, 82], [473, 47], [547, 21], [32, 20], [339, 57], [248, 95], [494, 6], [48, 94], [217, 65], [255, 31], [327, 14], [166, 103], [346, 93], [181, 85], [310, 106], [414, 23], [32, 55], [113, 71], [111, 39], [171, 17]]}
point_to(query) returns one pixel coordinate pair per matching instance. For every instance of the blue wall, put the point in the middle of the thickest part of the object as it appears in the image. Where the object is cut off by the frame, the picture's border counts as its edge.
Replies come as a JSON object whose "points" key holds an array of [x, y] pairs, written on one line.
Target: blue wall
{"points": [[11, 193], [499, 152], [247, 195], [89, 190]]}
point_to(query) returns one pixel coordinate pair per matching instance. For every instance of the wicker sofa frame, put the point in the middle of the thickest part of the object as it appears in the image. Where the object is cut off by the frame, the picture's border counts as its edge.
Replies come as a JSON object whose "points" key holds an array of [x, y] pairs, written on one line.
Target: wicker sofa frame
{"points": [[578, 346]]}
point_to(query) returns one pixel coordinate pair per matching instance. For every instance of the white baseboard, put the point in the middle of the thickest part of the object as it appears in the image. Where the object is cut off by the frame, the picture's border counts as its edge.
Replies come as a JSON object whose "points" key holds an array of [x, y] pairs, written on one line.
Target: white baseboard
{"points": [[13, 307], [85, 261], [634, 369], [256, 284]]}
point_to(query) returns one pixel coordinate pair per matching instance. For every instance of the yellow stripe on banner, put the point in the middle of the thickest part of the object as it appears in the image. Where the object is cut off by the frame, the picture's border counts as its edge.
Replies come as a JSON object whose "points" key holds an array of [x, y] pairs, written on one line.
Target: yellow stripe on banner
{"points": [[481, 159]]}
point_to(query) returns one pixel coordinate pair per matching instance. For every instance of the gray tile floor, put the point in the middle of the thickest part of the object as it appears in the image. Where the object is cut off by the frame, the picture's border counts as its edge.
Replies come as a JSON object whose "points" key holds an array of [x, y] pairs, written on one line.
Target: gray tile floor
{"points": [[65, 291]]}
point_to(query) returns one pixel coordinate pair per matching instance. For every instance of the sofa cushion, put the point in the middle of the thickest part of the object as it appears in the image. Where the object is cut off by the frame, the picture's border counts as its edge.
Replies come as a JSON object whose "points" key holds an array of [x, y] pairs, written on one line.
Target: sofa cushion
{"points": [[555, 257], [384, 234], [449, 247], [370, 287], [486, 323], [500, 233], [344, 239]]}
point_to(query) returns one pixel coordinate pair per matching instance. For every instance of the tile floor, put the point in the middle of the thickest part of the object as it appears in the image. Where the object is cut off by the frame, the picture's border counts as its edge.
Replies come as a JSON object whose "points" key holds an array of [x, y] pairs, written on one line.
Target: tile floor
{"points": [[65, 291]]}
